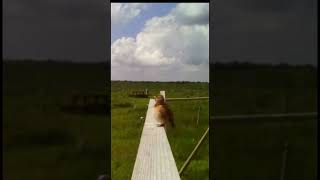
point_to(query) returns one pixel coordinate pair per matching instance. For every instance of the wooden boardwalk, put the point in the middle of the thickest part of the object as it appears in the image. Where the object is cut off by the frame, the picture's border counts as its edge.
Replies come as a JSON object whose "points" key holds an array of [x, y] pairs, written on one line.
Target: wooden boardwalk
{"points": [[154, 159]]}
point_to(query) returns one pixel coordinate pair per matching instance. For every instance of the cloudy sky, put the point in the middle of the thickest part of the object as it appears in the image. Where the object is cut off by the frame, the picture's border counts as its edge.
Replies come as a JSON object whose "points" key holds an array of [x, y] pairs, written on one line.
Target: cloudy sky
{"points": [[74, 30], [267, 31], [264, 31], [160, 42]]}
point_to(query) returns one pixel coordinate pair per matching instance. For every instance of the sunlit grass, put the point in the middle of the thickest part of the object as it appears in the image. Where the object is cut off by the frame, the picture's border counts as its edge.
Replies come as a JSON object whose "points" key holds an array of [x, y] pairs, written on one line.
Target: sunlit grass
{"points": [[127, 126]]}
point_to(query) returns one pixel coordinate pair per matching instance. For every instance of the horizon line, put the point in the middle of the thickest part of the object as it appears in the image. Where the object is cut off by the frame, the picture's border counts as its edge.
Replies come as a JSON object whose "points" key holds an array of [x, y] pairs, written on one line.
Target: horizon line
{"points": [[108, 62], [161, 81]]}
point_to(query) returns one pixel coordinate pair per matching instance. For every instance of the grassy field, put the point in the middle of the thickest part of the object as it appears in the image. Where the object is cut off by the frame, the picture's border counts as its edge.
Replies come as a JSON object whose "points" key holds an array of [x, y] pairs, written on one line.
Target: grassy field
{"points": [[127, 127], [42, 142], [245, 150]]}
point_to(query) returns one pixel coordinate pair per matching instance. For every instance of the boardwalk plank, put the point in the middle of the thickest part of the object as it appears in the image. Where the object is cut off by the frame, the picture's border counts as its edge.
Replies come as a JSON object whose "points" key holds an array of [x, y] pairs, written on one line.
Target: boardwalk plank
{"points": [[154, 159]]}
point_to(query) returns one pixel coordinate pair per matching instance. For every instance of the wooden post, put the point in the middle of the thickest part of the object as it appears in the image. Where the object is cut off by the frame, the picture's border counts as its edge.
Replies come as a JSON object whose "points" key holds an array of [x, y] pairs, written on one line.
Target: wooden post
{"points": [[195, 150], [163, 93], [198, 116], [284, 161]]}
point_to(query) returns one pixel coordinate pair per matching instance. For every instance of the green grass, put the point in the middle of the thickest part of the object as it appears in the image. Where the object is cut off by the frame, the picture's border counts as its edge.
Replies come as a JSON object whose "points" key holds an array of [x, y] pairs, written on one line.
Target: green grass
{"points": [[127, 127], [255, 151], [41, 142], [249, 151]]}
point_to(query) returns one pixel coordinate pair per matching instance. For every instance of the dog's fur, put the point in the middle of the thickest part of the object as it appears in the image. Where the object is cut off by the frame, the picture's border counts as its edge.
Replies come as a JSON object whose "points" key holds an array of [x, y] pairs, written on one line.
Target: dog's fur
{"points": [[162, 112]]}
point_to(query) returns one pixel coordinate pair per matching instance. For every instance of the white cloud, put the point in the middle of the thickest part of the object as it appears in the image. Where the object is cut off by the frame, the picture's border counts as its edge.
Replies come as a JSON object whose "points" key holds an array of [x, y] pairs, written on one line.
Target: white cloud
{"points": [[192, 13], [169, 46], [122, 13]]}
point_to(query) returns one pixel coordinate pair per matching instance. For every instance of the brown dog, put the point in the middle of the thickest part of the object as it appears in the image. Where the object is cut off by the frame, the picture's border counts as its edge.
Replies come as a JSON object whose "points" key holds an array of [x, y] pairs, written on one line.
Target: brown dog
{"points": [[162, 112]]}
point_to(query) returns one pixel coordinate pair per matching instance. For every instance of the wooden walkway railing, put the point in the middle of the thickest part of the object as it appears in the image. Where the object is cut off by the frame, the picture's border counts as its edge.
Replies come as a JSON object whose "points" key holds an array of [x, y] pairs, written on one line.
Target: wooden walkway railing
{"points": [[154, 159], [183, 99]]}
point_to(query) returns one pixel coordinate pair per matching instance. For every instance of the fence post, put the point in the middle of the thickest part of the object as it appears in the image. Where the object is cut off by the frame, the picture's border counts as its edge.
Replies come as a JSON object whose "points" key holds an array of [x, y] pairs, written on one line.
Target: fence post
{"points": [[284, 161], [187, 162], [163, 93], [198, 116]]}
